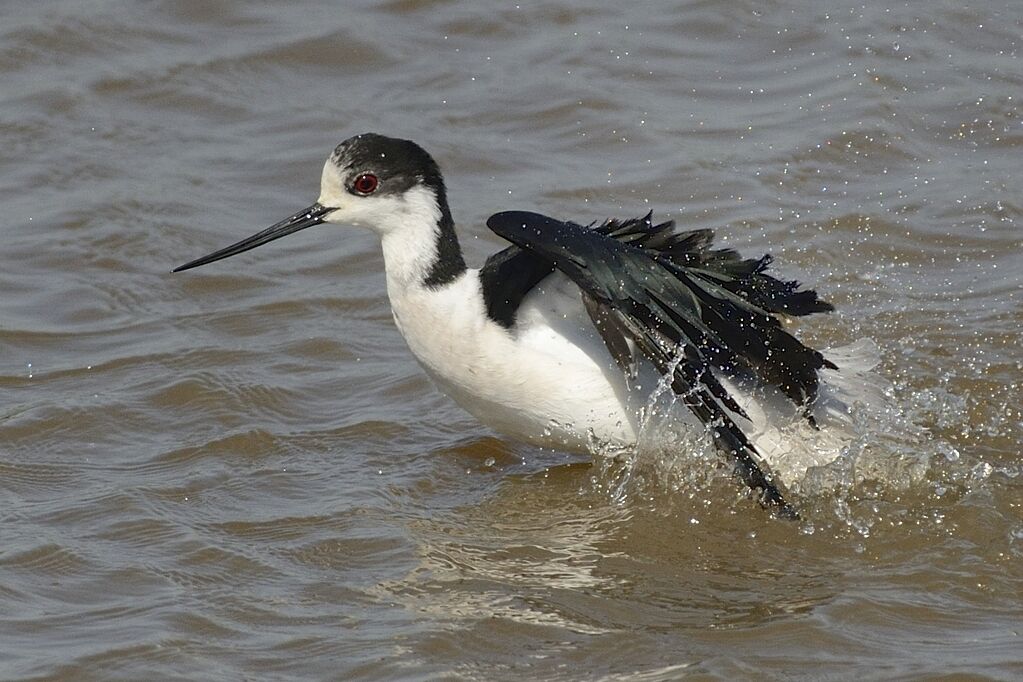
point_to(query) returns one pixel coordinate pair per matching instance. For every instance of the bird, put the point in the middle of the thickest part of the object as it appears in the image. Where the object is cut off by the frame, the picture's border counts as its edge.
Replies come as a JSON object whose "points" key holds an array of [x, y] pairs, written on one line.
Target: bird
{"points": [[560, 338]]}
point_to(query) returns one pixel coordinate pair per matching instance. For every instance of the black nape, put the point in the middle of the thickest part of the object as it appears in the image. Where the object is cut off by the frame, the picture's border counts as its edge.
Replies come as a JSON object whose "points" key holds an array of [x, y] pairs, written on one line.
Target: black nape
{"points": [[449, 264]]}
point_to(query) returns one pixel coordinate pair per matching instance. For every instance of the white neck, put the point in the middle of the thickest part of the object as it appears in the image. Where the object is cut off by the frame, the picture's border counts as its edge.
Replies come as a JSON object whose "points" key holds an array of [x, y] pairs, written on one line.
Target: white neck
{"points": [[407, 223], [408, 236]]}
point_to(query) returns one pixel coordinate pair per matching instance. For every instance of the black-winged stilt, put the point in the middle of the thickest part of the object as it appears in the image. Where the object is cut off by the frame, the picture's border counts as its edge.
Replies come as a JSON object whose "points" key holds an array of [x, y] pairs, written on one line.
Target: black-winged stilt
{"points": [[559, 339]]}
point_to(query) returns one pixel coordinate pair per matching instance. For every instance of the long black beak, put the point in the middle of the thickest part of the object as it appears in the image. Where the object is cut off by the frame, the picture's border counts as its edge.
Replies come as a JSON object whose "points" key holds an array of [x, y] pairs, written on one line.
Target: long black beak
{"points": [[307, 217]]}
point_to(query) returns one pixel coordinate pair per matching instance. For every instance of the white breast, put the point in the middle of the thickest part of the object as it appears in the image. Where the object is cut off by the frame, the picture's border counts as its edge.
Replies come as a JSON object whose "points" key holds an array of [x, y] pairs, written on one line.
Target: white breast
{"points": [[549, 381]]}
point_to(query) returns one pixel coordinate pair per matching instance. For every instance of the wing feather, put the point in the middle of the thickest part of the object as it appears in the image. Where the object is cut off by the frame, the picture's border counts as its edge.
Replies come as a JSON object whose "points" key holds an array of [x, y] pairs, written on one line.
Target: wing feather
{"points": [[687, 308]]}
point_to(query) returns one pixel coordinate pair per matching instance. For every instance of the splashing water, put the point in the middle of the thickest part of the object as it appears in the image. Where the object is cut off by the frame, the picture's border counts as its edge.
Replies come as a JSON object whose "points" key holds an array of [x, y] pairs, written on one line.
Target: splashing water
{"points": [[868, 450]]}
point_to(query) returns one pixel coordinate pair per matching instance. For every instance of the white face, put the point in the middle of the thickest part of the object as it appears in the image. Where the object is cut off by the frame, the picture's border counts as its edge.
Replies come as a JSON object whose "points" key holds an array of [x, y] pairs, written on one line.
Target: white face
{"points": [[333, 192], [379, 210]]}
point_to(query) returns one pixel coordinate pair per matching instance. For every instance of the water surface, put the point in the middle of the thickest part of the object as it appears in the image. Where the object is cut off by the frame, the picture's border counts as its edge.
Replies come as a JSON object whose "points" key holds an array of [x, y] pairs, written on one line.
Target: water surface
{"points": [[241, 473]]}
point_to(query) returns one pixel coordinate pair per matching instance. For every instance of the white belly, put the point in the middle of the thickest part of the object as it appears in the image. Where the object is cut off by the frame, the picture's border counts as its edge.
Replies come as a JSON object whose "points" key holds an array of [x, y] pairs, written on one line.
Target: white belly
{"points": [[550, 381]]}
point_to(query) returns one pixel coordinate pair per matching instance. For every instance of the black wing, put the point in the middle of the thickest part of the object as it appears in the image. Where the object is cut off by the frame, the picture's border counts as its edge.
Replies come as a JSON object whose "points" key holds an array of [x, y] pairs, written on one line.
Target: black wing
{"points": [[671, 295], [725, 267], [508, 275]]}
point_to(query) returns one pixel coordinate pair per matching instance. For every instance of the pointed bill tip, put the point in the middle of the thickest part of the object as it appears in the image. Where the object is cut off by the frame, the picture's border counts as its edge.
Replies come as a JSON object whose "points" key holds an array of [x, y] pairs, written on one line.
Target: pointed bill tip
{"points": [[313, 215]]}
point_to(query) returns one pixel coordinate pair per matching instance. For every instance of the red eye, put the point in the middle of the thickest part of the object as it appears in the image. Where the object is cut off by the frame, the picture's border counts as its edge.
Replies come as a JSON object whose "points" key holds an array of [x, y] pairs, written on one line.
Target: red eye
{"points": [[366, 183]]}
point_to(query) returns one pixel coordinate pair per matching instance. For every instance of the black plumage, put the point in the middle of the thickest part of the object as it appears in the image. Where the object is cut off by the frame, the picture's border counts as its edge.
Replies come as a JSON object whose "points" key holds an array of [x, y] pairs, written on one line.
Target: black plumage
{"points": [[688, 308]]}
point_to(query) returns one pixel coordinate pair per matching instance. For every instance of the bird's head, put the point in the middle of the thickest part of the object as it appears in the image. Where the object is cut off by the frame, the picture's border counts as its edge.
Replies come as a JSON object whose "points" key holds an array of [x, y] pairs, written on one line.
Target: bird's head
{"points": [[369, 180]]}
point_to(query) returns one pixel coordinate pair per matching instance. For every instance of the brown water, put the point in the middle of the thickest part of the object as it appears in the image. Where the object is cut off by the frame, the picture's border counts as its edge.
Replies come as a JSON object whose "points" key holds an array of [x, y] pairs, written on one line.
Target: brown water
{"points": [[240, 472]]}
